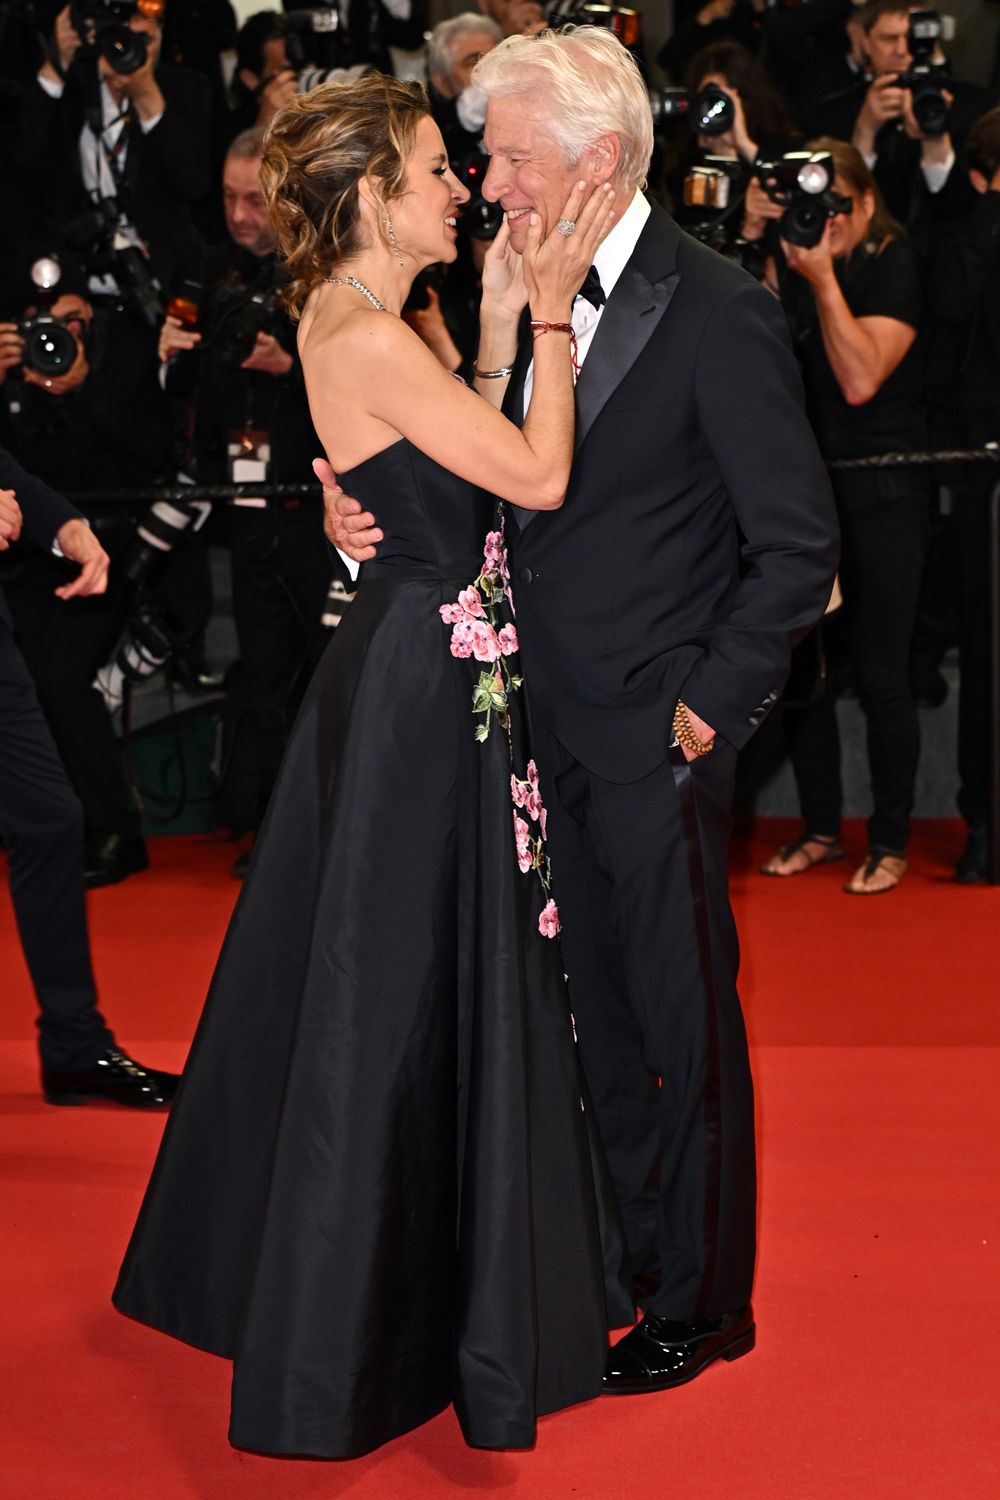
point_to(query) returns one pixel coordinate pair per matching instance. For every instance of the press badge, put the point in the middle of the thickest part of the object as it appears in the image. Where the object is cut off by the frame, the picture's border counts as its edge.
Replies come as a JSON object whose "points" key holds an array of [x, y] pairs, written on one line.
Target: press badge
{"points": [[249, 462]]}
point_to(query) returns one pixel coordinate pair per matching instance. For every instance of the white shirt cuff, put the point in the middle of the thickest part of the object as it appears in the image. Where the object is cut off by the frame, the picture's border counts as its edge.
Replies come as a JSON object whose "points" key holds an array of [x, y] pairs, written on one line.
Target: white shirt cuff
{"points": [[147, 125], [354, 568], [51, 87]]}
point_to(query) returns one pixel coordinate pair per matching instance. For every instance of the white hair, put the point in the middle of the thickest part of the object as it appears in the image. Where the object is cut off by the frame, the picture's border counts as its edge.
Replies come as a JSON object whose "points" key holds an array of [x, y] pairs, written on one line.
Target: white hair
{"points": [[587, 84], [446, 35]]}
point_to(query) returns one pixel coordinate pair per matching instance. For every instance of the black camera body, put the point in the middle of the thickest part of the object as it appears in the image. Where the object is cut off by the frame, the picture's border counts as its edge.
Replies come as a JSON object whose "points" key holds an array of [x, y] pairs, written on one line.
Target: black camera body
{"points": [[477, 218], [802, 181], [234, 317], [49, 346], [104, 26], [708, 111], [925, 78]]}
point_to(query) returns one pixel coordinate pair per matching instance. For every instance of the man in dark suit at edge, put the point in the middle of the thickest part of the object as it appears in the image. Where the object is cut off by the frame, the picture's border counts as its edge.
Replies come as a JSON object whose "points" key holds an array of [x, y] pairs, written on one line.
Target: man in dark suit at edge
{"points": [[41, 822], [656, 613]]}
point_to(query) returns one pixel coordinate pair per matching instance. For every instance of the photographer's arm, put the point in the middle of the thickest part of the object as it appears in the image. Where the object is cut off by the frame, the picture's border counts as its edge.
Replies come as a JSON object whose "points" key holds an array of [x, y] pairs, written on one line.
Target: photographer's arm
{"points": [[863, 352], [178, 144]]}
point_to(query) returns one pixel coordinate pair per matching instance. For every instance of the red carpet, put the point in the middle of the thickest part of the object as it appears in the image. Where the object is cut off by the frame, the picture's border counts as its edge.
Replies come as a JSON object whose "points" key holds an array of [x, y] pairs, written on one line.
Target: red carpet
{"points": [[875, 1026]]}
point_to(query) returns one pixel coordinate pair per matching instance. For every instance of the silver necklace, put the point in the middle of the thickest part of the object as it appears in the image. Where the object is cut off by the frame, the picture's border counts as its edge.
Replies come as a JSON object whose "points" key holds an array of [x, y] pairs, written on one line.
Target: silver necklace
{"points": [[358, 286]]}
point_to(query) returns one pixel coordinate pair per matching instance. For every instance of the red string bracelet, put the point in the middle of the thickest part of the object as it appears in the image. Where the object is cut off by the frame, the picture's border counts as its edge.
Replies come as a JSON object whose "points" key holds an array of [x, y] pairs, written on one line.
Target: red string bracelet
{"points": [[537, 326]]}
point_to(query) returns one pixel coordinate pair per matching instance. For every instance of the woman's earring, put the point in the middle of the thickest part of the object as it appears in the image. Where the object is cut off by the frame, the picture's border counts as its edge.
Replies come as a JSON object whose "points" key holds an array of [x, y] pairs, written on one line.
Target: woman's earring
{"points": [[392, 239]]}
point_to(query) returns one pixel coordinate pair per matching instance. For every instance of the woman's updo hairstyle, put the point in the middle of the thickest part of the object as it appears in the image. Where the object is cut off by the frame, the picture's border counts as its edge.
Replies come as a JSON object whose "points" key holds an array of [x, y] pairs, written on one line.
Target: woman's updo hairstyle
{"points": [[316, 151]]}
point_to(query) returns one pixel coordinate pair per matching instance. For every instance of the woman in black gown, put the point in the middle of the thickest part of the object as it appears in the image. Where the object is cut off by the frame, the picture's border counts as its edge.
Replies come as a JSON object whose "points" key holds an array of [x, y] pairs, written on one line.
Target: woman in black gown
{"points": [[375, 1193]]}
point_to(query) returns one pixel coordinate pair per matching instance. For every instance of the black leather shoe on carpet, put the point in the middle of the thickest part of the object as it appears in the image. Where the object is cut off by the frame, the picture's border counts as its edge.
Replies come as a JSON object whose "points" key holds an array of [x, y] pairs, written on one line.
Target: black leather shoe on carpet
{"points": [[113, 857], [658, 1353], [971, 865], [116, 1077]]}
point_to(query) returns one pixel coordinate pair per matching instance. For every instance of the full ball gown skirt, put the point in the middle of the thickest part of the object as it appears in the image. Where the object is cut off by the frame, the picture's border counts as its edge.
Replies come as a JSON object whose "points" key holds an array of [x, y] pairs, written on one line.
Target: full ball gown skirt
{"points": [[375, 1191]]}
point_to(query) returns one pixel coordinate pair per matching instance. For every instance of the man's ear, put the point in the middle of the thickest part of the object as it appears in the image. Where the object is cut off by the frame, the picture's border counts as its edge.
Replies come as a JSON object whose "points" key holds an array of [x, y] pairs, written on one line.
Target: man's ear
{"points": [[606, 154], [978, 180]]}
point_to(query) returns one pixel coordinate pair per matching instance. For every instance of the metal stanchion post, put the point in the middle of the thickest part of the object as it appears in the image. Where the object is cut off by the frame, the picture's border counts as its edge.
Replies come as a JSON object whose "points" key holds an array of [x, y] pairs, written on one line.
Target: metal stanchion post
{"points": [[993, 806]]}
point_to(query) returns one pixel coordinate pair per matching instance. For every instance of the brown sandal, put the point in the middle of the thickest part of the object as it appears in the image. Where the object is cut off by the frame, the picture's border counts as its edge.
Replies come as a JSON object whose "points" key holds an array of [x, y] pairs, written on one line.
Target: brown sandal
{"points": [[882, 866], [830, 847]]}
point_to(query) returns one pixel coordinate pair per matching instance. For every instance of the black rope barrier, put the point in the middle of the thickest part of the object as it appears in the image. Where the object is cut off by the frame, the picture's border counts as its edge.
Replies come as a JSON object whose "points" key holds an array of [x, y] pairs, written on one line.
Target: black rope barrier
{"points": [[989, 454]]}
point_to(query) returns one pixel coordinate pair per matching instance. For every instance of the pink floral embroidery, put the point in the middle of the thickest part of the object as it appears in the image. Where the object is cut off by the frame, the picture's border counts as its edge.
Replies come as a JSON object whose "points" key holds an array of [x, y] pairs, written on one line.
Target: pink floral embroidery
{"points": [[476, 631], [548, 921]]}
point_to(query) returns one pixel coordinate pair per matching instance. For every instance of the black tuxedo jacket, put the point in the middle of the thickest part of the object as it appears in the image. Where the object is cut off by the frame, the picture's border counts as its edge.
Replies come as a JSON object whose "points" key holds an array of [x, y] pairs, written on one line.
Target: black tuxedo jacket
{"points": [[698, 541], [166, 170], [43, 510]]}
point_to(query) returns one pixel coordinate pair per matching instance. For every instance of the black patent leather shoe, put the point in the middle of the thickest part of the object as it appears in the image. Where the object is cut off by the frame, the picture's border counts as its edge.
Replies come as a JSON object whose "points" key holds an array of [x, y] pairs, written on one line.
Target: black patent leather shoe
{"points": [[116, 1077], [658, 1353], [113, 857]]}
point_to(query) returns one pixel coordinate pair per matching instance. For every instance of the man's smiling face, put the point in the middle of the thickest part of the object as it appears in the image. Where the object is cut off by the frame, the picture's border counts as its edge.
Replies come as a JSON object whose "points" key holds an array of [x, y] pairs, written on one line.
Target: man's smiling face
{"points": [[527, 170]]}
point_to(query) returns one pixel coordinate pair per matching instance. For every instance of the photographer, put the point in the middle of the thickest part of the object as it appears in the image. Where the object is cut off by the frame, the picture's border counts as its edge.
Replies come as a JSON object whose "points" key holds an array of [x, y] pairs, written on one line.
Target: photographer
{"points": [[853, 304], [699, 25], [904, 120], [137, 139], [264, 80], [251, 422], [964, 385], [453, 50], [761, 124], [104, 424]]}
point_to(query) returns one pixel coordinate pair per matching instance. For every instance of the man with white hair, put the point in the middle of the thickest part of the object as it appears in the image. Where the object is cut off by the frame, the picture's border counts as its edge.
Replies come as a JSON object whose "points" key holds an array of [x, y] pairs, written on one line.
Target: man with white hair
{"points": [[656, 612], [454, 48]]}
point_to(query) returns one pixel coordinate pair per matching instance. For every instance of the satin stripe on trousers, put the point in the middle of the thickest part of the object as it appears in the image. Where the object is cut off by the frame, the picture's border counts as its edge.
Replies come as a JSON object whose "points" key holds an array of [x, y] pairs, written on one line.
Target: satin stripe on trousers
{"points": [[640, 876]]}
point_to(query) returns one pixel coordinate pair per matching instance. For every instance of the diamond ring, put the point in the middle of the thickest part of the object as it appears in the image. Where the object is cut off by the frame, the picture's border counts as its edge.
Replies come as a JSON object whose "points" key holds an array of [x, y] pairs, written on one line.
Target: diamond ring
{"points": [[566, 226]]}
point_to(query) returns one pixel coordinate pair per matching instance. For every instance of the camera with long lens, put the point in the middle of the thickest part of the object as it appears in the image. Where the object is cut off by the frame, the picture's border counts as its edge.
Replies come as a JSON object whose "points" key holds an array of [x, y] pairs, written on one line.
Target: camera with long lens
{"points": [[103, 24], [106, 250], [926, 78], [149, 640], [477, 218], [714, 193], [802, 181], [708, 111]]}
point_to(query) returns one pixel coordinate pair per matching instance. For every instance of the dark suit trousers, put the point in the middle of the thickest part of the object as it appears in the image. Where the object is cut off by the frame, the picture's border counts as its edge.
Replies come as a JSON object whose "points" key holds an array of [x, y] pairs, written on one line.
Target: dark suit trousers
{"points": [[640, 878], [41, 822]]}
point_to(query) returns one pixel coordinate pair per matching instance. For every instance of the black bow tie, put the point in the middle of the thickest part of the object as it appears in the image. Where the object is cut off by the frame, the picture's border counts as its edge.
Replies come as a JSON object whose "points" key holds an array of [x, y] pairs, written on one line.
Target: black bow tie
{"points": [[592, 289]]}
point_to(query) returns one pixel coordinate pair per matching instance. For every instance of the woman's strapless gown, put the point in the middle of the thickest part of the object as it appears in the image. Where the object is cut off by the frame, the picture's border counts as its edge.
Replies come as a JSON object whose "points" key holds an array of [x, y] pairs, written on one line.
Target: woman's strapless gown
{"points": [[375, 1191]]}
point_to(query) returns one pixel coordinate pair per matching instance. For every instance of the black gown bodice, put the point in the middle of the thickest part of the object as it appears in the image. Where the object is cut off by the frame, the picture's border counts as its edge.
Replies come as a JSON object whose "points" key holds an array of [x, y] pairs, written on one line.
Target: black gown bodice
{"points": [[432, 521]]}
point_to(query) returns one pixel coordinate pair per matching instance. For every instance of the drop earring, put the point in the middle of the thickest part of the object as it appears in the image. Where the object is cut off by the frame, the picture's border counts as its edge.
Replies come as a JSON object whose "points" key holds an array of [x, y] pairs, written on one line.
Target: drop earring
{"points": [[392, 238]]}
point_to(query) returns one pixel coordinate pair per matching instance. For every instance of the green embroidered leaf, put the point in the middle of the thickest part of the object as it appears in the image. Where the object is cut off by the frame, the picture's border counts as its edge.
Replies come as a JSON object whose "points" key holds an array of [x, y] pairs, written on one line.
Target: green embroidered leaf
{"points": [[482, 732]]}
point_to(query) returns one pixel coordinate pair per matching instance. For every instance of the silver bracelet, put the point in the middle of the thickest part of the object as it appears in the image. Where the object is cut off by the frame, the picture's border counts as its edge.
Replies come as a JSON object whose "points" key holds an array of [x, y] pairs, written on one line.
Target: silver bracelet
{"points": [[500, 374]]}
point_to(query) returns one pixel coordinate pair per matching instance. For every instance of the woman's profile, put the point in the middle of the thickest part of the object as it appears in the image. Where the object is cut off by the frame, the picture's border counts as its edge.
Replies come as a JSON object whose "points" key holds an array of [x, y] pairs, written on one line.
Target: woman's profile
{"points": [[375, 1193]]}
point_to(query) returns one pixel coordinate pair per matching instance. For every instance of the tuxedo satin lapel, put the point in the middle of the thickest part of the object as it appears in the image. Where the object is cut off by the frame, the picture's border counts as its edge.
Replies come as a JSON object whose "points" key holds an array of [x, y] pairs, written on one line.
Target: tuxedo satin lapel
{"points": [[635, 307]]}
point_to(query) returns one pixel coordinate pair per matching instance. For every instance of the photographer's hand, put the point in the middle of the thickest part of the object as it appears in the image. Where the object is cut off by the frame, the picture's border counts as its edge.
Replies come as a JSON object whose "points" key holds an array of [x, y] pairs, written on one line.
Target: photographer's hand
{"points": [[758, 208], [275, 94], [935, 150], [883, 102], [11, 349], [268, 357], [10, 519], [80, 545], [815, 262], [141, 86], [175, 339], [66, 43], [62, 385]]}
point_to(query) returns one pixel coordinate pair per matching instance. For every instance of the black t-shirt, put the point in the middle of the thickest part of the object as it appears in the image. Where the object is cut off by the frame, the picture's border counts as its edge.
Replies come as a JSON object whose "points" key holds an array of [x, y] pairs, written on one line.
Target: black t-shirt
{"points": [[884, 284]]}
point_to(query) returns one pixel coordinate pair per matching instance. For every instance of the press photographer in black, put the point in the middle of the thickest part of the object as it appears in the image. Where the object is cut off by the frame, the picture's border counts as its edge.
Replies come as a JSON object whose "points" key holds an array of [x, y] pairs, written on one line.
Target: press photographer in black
{"points": [[853, 302], [231, 349], [964, 385], [80, 406], [110, 139], [902, 110]]}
